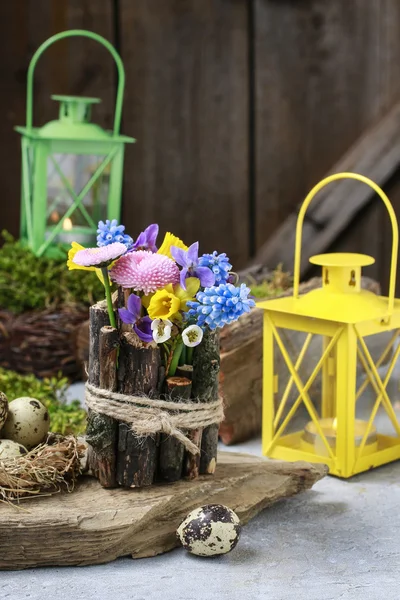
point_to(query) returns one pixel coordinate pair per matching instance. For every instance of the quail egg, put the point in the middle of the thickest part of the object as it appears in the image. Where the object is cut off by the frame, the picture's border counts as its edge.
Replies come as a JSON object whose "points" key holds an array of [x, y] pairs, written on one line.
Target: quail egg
{"points": [[27, 422], [210, 530], [9, 449], [3, 409]]}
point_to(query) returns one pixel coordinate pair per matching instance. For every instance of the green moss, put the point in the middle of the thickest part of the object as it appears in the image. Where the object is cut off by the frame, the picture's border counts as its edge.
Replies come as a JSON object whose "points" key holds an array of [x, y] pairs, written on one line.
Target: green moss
{"points": [[28, 282], [266, 290], [64, 418], [274, 286]]}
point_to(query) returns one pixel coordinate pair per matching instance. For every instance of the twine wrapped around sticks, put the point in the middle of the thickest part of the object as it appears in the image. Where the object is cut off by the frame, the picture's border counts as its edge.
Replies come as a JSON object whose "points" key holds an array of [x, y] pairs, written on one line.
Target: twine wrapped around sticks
{"points": [[148, 416]]}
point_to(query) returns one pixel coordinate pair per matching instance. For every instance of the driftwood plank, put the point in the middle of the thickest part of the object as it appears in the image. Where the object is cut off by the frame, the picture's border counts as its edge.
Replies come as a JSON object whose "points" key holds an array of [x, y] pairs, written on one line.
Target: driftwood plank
{"points": [[94, 525]]}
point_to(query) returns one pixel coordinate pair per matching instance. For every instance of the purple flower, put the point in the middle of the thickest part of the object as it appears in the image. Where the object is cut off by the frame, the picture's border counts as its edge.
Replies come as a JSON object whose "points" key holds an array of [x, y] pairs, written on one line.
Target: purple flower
{"points": [[131, 316], [147, 239], [99, 257], [189, 260]]}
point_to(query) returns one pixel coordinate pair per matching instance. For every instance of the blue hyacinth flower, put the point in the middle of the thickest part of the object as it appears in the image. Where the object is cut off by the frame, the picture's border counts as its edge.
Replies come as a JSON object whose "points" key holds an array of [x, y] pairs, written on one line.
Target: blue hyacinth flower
{"points": [[110, 232], [220, 305], [219, 265]]}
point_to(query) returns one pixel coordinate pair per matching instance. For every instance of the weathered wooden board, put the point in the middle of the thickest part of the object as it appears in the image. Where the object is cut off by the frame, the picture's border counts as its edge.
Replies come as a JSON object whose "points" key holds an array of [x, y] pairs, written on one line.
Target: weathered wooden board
{"points": [[325, 73], [186, 103], [377, 155], [73, 66], [94, 525]]}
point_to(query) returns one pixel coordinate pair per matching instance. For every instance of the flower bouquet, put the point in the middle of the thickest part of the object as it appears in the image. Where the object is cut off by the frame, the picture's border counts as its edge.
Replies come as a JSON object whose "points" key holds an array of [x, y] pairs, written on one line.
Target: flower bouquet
{"points": [[152, 390]]}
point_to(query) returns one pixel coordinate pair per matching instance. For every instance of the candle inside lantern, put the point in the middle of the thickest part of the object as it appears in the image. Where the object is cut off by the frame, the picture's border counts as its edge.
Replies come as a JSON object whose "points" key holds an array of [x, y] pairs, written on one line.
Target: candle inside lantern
{"points": [[67, 224], [72, 233], [312, 441]]}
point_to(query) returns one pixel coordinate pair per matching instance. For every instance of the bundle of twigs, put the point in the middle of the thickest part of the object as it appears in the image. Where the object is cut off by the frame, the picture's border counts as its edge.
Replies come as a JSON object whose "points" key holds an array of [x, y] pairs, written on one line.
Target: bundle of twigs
{"points": [[42, 342], [46, 470]]}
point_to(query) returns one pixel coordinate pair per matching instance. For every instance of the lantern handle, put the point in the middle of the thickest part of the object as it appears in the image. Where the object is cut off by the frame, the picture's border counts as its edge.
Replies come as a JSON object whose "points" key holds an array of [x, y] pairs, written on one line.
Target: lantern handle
{"points": [[392, 215], [78, 33]]}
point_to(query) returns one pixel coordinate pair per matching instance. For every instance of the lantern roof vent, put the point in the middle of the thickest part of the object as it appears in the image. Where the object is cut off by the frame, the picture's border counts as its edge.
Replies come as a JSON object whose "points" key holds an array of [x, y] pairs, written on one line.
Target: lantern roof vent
{"points": [[73, 123], [75, 109], [342, 260]]}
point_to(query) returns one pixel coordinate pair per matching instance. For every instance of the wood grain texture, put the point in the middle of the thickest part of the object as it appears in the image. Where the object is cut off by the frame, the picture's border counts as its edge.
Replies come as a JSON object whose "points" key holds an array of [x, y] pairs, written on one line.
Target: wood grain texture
{"points": [[210, 86], [371, 233], [138, 373], [187, 104], [206, 366], [171, 450], [69, 67], [73, 66], [376, 155], [108, 358], [93, 525], [97, 430], [324, 73]]}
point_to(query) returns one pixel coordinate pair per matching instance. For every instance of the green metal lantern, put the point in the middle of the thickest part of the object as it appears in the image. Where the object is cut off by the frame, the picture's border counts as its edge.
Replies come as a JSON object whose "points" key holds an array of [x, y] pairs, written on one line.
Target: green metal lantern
{"points": [[72, 169]]}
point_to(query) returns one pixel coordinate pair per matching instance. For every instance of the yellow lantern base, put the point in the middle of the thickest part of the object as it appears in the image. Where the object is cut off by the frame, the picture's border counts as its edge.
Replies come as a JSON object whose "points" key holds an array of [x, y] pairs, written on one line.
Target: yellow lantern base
{"points": [[293, 448], [312, 442]]}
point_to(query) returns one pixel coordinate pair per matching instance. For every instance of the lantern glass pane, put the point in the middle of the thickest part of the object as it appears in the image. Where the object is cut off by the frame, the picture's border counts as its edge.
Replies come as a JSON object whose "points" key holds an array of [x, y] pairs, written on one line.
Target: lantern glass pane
{"points": [[375, 417], [73, 188], [369, 388], [304, 352]]}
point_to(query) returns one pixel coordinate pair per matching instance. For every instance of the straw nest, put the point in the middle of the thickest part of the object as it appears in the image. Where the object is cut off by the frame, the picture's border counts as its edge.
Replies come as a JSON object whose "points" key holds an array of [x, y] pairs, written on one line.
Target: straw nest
{"points": [[42, 342], [46, 470]]}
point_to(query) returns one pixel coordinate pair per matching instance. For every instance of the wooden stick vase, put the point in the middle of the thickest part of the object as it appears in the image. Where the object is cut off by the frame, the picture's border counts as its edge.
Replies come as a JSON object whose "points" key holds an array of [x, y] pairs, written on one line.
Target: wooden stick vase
{"points": [[144, 427]]}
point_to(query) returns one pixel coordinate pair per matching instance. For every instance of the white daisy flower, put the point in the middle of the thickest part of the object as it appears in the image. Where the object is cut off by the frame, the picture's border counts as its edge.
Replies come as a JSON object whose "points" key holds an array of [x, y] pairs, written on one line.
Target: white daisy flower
{"points": [[192, 336], [161, 329]]}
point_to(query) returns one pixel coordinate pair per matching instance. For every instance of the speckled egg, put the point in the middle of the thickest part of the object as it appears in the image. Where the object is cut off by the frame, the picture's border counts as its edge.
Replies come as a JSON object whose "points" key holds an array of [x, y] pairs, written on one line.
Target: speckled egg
{"points": [[9, 449], [27, 423], [210, 530], [3, 409]]}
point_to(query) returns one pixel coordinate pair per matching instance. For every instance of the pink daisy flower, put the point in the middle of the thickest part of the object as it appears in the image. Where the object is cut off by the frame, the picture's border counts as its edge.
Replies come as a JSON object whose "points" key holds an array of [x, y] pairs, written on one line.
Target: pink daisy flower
{"points": [[99, 257], [144, 271]]}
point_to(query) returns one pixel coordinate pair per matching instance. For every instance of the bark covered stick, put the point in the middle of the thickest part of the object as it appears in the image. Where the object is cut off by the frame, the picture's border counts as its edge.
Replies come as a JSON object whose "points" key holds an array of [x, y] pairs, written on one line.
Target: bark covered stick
{"points": [[98, 318], [138, 373], [171, 450], [191, 462], [109, 343], [185, 371], [206, 362]]}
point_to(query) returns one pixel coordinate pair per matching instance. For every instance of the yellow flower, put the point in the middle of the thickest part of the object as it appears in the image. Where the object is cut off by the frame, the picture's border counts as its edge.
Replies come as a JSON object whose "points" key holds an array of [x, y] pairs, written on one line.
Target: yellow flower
{"points": [[170, 240], [166, 303], [163, 304], [75, 247], [192, 287]]}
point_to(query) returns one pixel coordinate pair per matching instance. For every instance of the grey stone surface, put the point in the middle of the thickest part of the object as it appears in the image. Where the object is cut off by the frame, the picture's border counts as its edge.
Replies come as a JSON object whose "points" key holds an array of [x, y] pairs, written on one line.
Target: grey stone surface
{"points": [[340, 540], [337, 541]]}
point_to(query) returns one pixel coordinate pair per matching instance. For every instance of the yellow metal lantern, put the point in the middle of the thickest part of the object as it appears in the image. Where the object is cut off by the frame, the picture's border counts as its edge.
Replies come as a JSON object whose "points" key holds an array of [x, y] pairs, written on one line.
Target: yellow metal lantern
{"points": [[344, 317]]}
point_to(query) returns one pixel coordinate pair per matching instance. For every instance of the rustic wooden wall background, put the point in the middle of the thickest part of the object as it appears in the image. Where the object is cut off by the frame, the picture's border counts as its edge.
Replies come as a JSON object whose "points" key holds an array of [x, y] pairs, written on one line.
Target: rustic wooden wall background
{"points": [[238, 106]]}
